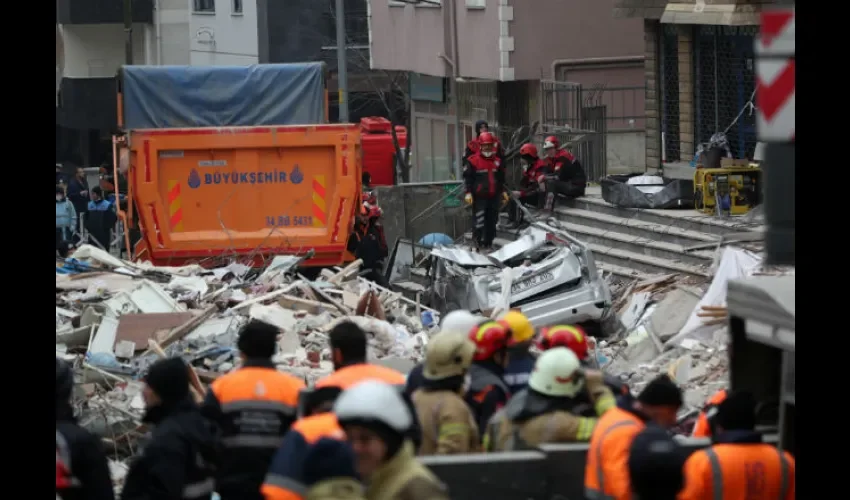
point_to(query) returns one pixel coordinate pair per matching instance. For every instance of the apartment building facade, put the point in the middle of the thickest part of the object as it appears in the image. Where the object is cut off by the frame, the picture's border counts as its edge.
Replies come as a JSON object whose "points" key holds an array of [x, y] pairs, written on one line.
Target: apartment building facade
{"points": [[700, 74], [514, 62], [91, 46]]}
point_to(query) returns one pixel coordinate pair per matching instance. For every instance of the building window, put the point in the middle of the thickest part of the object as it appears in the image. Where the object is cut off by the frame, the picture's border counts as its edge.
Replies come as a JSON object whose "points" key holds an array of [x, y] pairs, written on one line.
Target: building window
{"points": [[476, 4], [237, 7], [203, 6]]}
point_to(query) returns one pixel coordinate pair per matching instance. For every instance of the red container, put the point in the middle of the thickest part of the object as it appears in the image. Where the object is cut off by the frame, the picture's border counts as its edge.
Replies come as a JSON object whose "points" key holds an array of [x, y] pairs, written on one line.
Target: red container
{"points": [[376, 143]]}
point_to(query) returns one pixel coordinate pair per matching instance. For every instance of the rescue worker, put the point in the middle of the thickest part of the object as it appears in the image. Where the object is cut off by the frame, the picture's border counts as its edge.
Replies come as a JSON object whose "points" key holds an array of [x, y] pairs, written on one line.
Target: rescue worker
{"points": [[286, 474], [534, 171], [368, 242], [519, 344], [179, 460], [549, 411], [606, 474], [487, 389], [448, 426], [704, 423], [655, 465], [574, 338], [253, 406], [473, 146], [455, 321], [569, 177], [329, 472], [377, 422], [484, 181], [739, 465], [81, 467]]}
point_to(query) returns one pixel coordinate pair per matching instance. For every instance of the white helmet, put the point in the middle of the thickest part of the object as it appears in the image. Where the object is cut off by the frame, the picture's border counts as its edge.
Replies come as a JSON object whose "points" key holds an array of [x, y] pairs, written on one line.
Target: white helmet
{"points": [[460, 321], [555, 373], [373, 401]]}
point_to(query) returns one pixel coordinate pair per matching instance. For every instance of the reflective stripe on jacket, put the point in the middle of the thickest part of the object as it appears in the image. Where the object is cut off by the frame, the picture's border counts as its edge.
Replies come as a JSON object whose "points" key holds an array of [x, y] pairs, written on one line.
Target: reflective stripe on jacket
{"points": [[606, 474], [254, 407], [284, 479], [751, 471]]}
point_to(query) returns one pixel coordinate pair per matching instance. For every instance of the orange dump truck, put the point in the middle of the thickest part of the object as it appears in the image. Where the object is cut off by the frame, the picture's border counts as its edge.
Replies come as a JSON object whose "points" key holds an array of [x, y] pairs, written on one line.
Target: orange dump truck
{"points": [[235, 162]]}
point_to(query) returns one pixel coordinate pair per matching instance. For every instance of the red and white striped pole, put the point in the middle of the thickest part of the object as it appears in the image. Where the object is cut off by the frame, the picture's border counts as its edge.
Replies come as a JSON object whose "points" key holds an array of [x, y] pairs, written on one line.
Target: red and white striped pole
{"points": [[776, 126]]}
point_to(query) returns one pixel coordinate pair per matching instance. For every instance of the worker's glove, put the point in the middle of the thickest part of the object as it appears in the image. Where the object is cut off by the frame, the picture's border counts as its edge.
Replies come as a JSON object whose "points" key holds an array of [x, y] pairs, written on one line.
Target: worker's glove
{"points": [[594, 381], [468, 198], [505, 198]]}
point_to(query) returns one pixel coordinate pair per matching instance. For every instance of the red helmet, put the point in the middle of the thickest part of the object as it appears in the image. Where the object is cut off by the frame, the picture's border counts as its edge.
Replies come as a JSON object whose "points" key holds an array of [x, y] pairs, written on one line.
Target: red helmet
{"points": [[551, 142], [373, 212], [486, 138], [369, 197], [489, 338], [528, 149], [569, 336]]}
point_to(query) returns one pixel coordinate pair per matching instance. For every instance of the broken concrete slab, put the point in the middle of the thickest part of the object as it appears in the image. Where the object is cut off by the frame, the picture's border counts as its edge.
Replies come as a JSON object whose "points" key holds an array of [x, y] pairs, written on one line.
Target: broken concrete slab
{"points": [[139, 328], [274, 315], [671, 313]]}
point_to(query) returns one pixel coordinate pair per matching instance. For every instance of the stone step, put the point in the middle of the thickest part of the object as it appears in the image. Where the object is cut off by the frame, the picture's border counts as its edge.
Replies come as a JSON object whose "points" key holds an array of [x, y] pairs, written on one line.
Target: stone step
{"points": [[668, 233], [646, 245], [686, 219]]}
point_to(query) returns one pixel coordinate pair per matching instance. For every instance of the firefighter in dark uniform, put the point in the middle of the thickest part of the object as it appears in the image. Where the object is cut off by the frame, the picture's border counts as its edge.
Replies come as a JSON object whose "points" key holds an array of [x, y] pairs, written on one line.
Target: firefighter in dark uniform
{"points": [[178, 462], [484, 181], [81, 468], [473, 146], [532, 183], [549, 411], [487, 391], [569, 178], [254, 407], [369, 243]]}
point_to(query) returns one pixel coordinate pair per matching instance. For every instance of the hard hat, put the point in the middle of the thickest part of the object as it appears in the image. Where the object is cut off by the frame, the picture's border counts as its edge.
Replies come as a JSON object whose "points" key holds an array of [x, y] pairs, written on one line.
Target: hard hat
{"points": [[556, 373], [570, 336], [459, 320], [486, 138], [373, 401], [528, 149], [520, 327], [551, 142], [448, 354], [489, 337]]}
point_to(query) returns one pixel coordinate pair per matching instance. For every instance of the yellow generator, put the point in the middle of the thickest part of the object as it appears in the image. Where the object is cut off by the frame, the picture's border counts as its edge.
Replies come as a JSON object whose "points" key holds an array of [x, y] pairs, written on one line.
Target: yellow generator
{"points": [[734, 189]]}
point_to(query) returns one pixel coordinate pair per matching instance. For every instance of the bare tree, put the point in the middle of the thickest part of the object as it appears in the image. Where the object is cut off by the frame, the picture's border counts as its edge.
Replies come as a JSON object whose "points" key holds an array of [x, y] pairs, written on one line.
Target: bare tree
{"points": [[397, 81]]}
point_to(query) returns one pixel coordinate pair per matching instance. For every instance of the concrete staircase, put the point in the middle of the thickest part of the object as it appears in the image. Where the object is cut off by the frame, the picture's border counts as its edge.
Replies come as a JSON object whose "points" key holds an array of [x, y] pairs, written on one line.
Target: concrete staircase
{"points": [[634, 243]]}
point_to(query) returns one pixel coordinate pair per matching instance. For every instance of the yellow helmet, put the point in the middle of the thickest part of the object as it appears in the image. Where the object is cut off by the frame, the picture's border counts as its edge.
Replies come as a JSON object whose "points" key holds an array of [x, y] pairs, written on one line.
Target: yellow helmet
{"points": [[521, 328], [448, 354]]}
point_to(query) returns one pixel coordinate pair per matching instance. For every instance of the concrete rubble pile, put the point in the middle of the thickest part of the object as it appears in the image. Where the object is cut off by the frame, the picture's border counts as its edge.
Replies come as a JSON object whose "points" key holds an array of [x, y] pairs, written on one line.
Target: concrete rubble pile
{"points": [[115, 318], [677, 325]]}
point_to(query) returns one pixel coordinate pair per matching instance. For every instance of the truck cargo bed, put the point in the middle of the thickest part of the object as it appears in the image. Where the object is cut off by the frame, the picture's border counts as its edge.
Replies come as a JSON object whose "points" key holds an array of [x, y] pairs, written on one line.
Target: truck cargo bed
{"points": [[249, 192]]}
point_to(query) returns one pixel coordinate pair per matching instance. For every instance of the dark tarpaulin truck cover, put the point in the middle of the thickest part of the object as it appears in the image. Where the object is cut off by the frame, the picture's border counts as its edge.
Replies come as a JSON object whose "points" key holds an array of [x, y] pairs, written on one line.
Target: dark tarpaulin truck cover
{"points": [[222, 96]]}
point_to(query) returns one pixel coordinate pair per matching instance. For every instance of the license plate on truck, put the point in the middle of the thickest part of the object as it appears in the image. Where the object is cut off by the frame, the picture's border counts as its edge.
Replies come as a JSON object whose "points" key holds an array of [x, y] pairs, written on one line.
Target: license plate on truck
{"points": [[531, 282]]}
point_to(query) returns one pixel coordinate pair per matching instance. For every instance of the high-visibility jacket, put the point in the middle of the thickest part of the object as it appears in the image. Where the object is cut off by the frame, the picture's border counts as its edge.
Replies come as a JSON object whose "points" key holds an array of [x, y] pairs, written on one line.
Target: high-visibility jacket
{"points": [[702, 427], [739, 471], [254, 407], [606, 475], [284, 480], [348, 376]]}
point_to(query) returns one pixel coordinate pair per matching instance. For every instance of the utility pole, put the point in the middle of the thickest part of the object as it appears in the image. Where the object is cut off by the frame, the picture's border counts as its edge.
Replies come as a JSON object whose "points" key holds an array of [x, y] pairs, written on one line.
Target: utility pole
{"points": [[341, 62], [453, 90], [128, 32]]}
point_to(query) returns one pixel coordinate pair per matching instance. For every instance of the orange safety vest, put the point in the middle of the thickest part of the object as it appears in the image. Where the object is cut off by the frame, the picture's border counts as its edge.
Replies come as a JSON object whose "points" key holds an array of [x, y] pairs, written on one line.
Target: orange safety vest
{"points": [[739, 472], [260, 390], [350, 375], [606, 474], [702, 427], [282, 481]]}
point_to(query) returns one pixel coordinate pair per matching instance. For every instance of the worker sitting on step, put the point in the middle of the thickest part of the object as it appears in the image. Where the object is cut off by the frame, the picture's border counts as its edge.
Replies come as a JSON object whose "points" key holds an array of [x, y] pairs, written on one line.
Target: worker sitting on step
{"points": [[549, 412], [534, 171]]}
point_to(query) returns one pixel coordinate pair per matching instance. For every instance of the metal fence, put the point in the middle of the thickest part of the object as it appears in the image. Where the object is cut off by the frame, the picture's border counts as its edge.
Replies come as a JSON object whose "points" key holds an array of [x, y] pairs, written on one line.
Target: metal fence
{"points": [[669, 96], [725, 86], [723, 89], [583, 116], [413, 210]]}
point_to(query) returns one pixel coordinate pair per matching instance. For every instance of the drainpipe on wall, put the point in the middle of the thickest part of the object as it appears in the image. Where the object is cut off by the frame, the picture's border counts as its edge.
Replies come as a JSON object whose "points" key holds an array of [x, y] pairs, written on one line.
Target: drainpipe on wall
{"points": [[158, 32]]}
